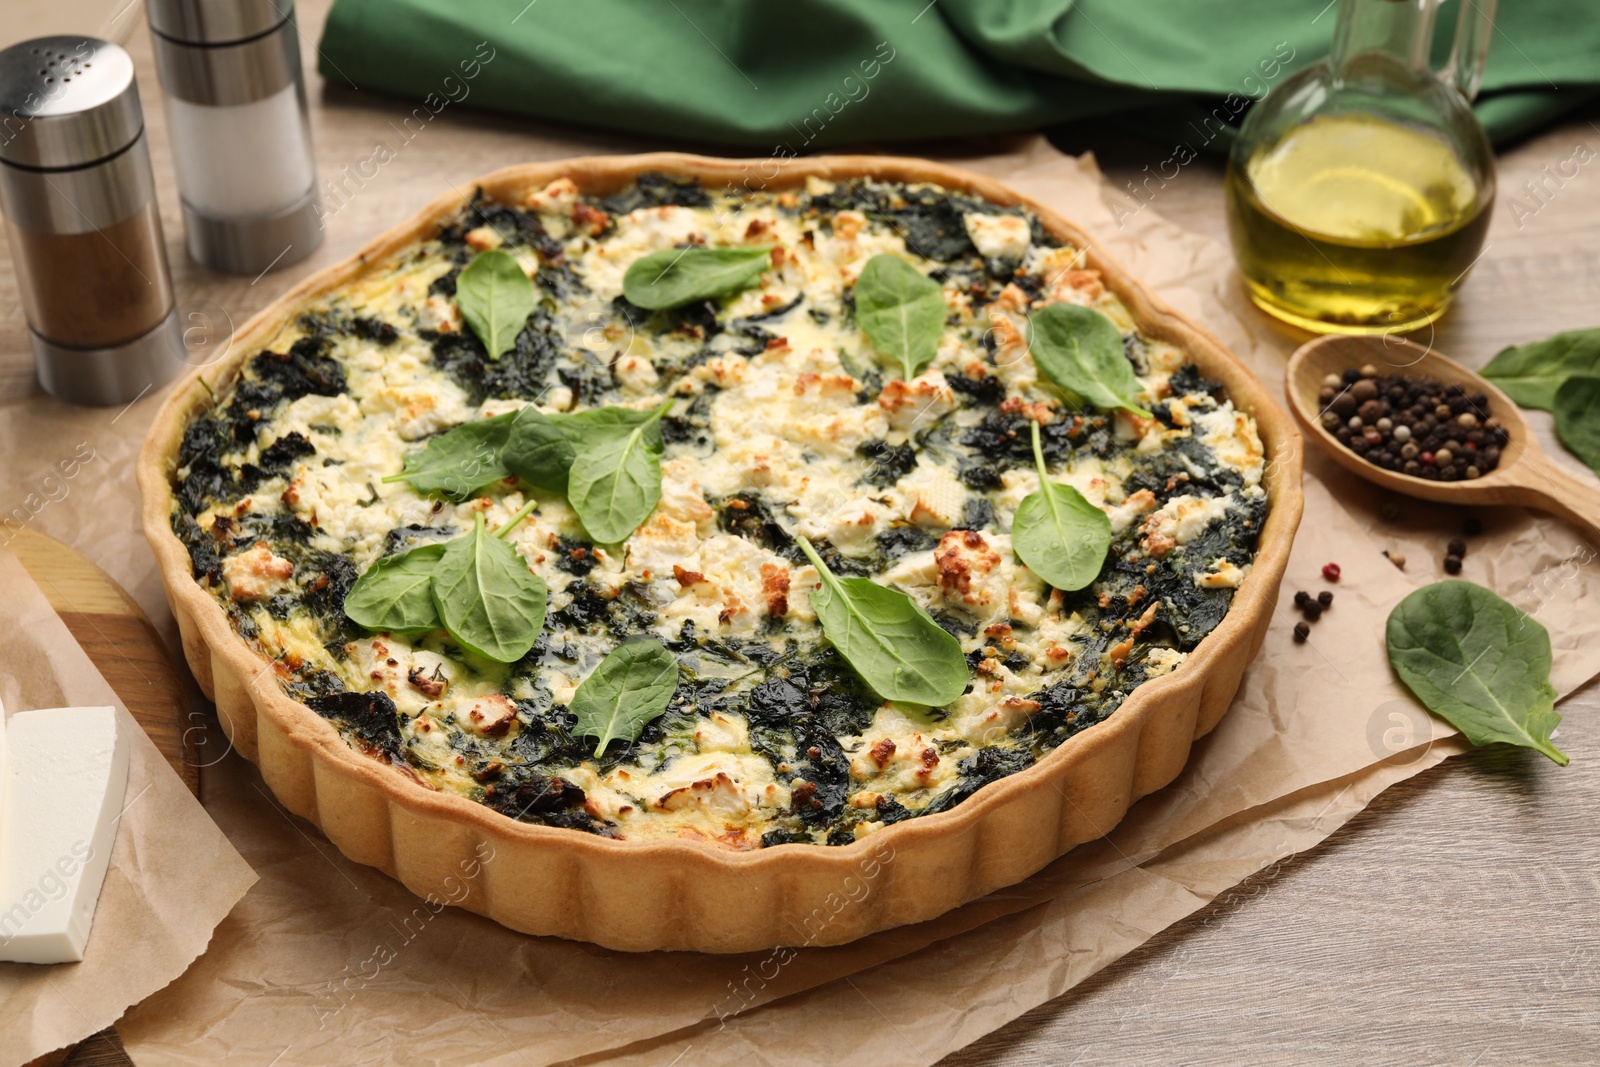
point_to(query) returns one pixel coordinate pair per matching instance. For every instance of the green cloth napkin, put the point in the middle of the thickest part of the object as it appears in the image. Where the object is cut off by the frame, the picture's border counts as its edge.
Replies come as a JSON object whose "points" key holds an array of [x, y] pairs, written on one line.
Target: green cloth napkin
{"points": [[790, 76]]}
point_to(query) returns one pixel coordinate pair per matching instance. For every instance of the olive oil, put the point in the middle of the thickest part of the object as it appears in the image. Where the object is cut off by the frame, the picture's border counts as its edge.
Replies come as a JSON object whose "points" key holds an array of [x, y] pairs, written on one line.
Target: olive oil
{"points": [[1356, 224]]}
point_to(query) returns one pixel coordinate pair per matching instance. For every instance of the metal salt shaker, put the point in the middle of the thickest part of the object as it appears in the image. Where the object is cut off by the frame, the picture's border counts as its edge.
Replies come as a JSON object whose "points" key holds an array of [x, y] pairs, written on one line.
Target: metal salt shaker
{"points": [[241, 138]]}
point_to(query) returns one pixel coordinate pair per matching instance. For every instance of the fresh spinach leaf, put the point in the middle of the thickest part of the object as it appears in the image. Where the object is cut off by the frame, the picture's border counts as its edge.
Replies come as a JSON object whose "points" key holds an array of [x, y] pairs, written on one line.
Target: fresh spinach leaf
{"points": [[607, 461], [486, 596], [895, 646], [902, 312], [1577, 411], [673, 277], [460, 461], [539, 450], [595, 423], [632, 686], [1080, 350], [1478, 663], [1060, 536], [495, 298], [395, 595], [1531, 373], [615, 481]]}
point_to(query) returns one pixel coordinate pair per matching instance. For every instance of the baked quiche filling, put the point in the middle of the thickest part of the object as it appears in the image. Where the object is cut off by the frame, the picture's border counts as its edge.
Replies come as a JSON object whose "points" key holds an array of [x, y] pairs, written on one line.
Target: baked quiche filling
{"points": [[786, 439]]}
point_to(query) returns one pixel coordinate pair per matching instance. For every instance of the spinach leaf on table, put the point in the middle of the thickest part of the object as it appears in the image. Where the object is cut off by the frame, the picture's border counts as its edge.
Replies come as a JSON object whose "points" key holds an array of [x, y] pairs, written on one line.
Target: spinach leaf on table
{"points": [[395, 595], [632, 686], [496, 298], [673, 277], [1080, 351], [1577, 412], [902, 312], [486, 596], [1060, 535], [1478, 663], [895, 646], [1531, 373]]}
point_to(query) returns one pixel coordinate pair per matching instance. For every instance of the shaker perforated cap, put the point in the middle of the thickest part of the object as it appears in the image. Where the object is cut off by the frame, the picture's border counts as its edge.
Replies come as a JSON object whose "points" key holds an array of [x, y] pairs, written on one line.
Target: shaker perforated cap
{"points": [[66, 102], [216, 21]]}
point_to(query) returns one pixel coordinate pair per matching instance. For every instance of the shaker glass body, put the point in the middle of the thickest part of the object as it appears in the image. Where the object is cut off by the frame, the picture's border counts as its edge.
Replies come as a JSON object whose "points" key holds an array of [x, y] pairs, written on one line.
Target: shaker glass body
{"points": [[224, 167], [240, 133], [92, 263]]}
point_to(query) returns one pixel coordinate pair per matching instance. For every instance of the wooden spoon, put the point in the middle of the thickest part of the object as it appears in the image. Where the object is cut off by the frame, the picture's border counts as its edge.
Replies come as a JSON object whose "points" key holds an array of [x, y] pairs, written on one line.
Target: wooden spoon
{"points": [[1525, 476]]}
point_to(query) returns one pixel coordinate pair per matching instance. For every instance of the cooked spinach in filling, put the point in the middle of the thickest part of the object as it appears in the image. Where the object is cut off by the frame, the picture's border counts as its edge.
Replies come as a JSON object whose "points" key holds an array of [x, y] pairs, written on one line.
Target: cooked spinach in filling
{"points": [[790, 458]]}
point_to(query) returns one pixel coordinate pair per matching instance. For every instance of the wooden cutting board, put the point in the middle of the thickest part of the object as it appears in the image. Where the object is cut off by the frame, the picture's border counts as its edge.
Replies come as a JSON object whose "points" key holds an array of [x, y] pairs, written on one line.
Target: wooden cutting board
{"points": [[123, 644]]}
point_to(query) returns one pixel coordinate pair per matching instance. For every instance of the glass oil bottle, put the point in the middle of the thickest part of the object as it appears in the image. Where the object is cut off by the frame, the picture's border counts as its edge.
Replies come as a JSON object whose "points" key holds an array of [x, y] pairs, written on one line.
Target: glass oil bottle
{"points": [[1358, 192]]}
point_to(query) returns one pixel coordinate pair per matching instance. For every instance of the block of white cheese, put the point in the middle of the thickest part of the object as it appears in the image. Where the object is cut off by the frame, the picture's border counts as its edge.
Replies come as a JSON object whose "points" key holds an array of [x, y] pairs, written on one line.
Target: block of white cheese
{"points": [[61, 797]]}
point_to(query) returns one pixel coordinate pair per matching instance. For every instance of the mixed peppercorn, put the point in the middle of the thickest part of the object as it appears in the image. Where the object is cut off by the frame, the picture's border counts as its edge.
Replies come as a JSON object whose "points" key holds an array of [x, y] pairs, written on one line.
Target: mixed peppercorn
{"points": [[1412, 425]]}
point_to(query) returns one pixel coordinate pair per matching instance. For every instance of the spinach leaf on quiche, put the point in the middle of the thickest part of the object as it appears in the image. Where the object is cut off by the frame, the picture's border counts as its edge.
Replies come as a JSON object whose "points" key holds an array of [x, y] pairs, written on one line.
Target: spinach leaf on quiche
{"points": [[1080, 351], [395, 595], [1060, 536], [633, 686], [902, 312], [539, 450], [495, 298], [457, 463], [673, 277], [487, 597], [895, 646], [615, 479]]}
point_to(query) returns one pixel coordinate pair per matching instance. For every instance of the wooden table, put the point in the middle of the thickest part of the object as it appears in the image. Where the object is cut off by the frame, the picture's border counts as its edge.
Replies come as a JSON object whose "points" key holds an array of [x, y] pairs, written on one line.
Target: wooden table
{"points": [[1451, 922]]}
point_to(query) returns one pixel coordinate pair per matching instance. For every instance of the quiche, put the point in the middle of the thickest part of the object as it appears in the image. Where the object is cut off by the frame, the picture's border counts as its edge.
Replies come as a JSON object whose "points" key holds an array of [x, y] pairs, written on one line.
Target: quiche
{"points": [[812, 455]]}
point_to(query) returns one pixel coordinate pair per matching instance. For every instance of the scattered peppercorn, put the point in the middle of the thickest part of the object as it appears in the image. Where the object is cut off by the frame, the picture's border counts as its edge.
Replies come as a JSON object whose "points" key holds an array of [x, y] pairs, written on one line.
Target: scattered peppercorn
{"points": [[1415, 426], [1472, 526], [1457, 547], [1452, 564], [1301, 632], [1397, 558], [1330, 571], [1311, 607]]}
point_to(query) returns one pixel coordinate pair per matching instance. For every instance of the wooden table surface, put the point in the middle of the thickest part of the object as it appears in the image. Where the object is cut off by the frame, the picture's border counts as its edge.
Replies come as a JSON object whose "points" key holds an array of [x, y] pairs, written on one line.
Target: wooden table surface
{"points": [[1452, 922]]}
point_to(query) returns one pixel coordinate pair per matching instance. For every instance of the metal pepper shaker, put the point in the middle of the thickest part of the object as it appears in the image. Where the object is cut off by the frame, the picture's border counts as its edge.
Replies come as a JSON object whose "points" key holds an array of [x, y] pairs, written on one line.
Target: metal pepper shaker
{"points": [[80, 212], [241, 138]]}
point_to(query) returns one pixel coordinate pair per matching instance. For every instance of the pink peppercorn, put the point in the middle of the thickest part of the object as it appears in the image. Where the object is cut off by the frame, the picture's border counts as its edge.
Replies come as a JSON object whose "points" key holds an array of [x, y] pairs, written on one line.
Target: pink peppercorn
{"points": [[1330, 571]]}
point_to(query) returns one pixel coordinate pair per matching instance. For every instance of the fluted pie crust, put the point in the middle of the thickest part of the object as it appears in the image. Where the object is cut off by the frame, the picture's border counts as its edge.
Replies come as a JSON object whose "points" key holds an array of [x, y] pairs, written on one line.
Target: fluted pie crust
{"points": [[678, 894]]}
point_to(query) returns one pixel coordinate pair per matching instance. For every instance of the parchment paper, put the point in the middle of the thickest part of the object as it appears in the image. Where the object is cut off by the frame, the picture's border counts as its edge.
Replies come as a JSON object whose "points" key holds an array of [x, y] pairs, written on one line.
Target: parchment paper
{"points": [[172, 876], [330, 961]]}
